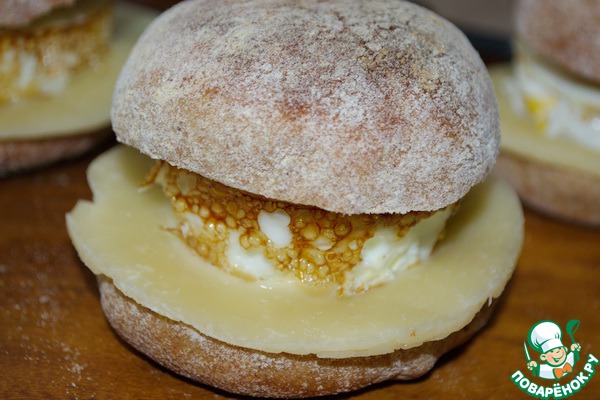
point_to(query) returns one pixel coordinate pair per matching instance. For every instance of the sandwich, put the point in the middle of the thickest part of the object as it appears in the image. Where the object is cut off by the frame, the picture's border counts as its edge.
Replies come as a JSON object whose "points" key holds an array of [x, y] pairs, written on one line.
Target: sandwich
{"points": [[300, 204], [60, 61], [549, 100]]}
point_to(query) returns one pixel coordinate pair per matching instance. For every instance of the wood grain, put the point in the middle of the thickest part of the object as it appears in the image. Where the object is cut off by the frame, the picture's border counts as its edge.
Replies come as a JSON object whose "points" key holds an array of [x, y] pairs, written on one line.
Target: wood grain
{"points": [[56, 344]]}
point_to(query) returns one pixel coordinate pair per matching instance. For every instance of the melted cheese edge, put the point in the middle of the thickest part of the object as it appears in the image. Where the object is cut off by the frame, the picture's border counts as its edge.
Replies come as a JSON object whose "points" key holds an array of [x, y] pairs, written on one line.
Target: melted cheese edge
{"points": [[84, 105], [121, 235]]}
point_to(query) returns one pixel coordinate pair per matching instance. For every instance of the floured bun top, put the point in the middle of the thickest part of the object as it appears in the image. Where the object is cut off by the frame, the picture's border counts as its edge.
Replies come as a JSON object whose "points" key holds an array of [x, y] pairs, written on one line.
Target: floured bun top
{"points": [[16, 13], [566, 32], [352, 106]]}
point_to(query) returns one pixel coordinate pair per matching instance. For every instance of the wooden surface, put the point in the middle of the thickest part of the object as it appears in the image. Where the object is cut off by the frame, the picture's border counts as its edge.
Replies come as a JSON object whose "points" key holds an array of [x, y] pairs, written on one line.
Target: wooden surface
{"points": [[55, 342]]}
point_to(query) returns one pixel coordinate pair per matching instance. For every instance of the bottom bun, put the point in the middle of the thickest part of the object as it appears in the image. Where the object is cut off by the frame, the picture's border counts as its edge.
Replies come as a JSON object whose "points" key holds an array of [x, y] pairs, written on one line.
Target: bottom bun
{"points": [[186, 351], [554, 190], [19, 155]]}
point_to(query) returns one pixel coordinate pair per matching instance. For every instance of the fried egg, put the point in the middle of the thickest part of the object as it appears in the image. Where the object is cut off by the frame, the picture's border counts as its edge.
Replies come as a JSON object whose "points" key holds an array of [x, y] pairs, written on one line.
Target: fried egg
{"points": [[559, 104], [257, 238]]}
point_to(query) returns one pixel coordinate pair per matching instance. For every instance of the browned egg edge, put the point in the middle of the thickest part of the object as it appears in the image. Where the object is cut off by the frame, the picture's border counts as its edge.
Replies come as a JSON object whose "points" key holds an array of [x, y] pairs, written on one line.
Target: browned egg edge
{"points": [[223, 209]]}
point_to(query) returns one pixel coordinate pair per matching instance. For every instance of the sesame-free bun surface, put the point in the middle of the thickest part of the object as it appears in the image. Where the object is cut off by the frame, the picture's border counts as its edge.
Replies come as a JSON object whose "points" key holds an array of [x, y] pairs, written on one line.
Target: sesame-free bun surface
{"points": [[187, 351], [351, 106], [566, 32], [15, 13]]}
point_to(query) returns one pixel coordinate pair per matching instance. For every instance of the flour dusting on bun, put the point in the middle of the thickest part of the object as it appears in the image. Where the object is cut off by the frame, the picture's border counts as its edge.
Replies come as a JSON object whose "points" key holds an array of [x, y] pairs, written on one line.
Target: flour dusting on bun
{"points": [[314, 215]]}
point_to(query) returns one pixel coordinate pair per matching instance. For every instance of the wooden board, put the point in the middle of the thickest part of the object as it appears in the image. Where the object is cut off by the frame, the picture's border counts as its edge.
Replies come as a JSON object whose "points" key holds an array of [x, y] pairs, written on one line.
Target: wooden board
{"points": [[55, 342]]}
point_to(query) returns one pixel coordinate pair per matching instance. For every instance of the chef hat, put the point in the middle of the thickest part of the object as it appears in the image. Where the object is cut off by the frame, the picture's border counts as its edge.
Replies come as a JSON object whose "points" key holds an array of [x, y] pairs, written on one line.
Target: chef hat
{"points": [[545, 336]]}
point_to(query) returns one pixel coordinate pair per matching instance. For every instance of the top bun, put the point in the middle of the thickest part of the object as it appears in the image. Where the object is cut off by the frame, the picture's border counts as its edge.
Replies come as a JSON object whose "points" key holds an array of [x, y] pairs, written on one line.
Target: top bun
{"points": [[15, 13], [347, 105], [566, 32]]}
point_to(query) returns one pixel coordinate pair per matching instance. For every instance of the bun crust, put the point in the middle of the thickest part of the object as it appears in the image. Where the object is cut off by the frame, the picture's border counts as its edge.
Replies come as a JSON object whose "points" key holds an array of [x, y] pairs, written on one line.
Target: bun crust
{"points": [[350, 106], [18, 155], [566, 32], [15, 13], [567, 194], [190, 353]]}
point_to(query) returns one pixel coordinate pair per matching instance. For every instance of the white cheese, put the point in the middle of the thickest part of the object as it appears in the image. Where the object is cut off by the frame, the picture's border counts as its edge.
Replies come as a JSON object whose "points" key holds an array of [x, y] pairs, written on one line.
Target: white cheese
{"points": [[121, 235]]}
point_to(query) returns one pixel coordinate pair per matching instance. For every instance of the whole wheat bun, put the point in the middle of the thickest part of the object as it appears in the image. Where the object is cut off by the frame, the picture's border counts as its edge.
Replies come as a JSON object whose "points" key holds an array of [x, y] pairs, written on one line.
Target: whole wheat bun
{"points": [[21, 155], [561, 192], [566, 32], [185, 350], [350, 106], [16, 13]]}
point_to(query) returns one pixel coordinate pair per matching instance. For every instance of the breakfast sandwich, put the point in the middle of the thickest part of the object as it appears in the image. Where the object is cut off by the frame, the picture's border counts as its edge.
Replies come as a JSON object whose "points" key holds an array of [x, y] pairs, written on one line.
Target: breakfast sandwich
{"points": [[300, 204], [549, 102], [59, 62]]}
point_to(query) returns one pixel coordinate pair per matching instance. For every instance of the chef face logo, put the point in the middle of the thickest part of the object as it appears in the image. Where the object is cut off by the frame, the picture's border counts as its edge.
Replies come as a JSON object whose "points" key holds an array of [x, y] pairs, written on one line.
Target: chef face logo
{"points": [[554, 358]]}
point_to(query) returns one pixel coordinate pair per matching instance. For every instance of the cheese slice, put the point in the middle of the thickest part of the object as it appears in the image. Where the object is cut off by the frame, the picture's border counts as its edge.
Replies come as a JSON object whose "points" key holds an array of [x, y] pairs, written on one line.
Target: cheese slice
{"points": [[84, 105], [122, 235], [522, 137]]}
